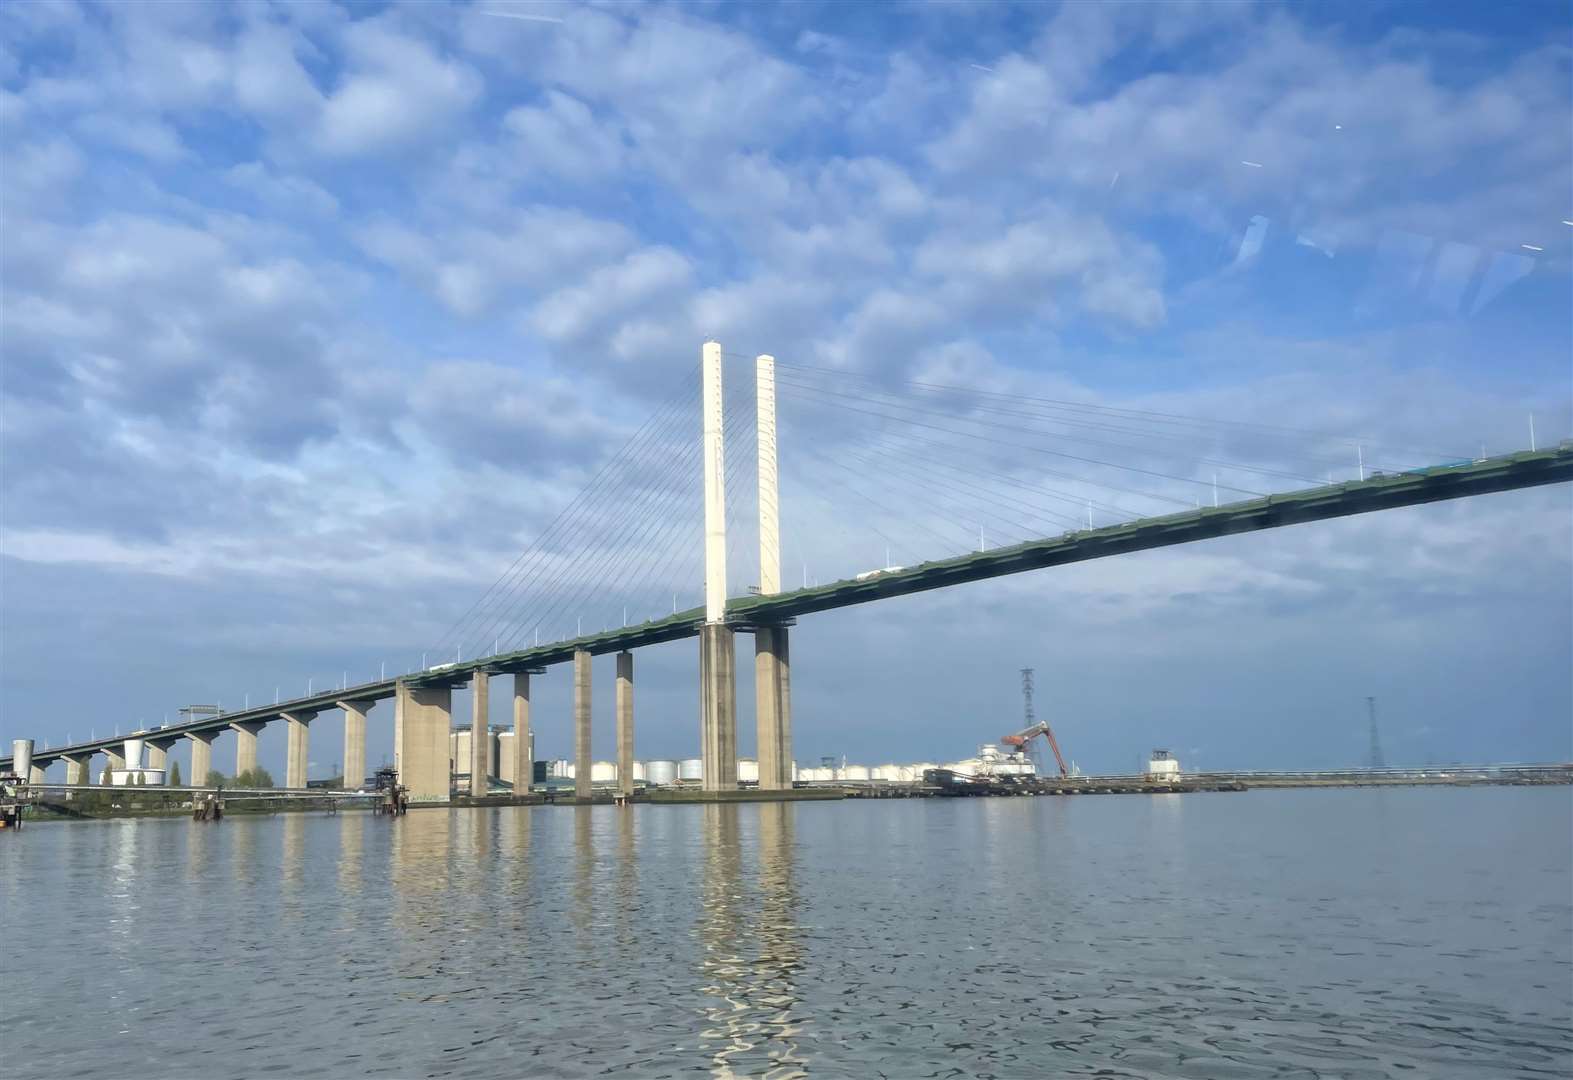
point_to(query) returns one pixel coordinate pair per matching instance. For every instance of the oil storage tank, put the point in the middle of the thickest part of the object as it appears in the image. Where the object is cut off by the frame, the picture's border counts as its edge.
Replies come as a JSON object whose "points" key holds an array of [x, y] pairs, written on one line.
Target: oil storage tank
{"points": [[691, 771], [660, 773]]}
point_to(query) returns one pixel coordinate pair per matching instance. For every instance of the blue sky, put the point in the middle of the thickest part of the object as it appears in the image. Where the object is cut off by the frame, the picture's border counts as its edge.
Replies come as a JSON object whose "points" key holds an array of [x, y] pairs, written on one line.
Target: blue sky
{"points": [[315, 315]]}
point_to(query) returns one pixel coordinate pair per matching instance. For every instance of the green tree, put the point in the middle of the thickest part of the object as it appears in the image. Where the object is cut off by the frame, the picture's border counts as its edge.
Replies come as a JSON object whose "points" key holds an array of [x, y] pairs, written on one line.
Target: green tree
{"points": [[214, 778], [260, 778], [174, 774]]}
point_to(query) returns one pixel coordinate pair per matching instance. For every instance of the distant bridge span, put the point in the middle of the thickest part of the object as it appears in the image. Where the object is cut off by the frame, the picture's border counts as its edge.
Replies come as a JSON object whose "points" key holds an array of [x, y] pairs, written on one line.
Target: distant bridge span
{"points": [[1526, 469]]}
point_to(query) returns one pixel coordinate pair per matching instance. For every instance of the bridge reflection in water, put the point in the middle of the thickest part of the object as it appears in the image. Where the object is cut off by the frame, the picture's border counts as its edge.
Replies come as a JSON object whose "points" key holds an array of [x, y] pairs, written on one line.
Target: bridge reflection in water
{"points": [[751, 957]]}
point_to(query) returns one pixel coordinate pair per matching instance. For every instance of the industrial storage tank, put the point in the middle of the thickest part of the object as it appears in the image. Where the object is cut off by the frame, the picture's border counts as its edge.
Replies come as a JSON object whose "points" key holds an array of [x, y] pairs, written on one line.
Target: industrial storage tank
{"points": [[661, 772], [889, 773], [852, 772], [603, 772], [22, 756], [639, 772], [691, 770], [560, 769], [747, 770], [817, 774]]}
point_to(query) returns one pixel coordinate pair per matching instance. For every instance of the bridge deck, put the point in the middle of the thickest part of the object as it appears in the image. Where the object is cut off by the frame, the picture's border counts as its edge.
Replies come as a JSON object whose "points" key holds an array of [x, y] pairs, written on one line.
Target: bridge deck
{"points": [[1526, 469]]}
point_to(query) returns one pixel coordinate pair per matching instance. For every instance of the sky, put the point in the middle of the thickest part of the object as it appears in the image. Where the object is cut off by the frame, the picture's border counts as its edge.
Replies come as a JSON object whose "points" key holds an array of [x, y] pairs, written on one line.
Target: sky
{"points": [[315, 316]]}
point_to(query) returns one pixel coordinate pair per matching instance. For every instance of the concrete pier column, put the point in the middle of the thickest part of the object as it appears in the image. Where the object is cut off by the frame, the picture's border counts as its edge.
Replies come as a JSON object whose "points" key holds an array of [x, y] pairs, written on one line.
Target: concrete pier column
{"points": [[117, 760], [523, 760], [773, 704], [625, 722], [582, 765], [421, 722], [79, 768], [717, 707], [201, 756], [480, 736], [158, 755], [354, 742], [297, 726], [35, 774], [246, 744]]}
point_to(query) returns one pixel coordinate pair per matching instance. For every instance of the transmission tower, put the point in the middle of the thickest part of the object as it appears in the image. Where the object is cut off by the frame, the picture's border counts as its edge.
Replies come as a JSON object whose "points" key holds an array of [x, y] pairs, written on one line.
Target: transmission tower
{"points": [[1377, 761], [1029, 719]]}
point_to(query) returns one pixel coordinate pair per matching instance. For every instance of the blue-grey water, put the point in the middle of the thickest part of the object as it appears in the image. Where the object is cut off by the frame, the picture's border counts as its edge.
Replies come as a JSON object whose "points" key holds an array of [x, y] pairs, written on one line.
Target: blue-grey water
{"points": [[1341, 933]]}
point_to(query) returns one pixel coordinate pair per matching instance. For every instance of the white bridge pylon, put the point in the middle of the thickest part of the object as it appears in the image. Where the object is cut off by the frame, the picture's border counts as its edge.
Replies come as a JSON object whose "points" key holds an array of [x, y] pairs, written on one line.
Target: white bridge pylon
{"points": [[717, 653]]}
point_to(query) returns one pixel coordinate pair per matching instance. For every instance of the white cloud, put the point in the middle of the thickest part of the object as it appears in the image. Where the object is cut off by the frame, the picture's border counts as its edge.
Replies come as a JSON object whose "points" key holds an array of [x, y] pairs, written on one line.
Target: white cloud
{"points": [[644, 280], [398, 91], [282, 193], [473, 268], [562, 138]]}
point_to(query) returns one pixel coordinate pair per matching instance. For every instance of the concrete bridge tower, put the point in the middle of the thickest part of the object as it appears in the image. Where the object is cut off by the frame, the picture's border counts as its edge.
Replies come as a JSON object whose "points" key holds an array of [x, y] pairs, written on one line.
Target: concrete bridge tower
{"points": [[772, 684], [717, 656]]}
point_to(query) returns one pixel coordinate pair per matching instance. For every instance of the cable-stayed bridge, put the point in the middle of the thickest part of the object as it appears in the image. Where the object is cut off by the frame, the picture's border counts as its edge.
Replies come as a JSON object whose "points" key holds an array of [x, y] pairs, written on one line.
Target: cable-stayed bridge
{"points": [[958, 484]]}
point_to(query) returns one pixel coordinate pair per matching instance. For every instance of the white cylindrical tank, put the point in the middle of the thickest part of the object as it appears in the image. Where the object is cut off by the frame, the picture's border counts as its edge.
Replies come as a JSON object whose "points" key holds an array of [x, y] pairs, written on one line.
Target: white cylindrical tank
{"points": [[505, 756], [639, 773], [691, 769], [133, 753], [889, 773], [136, 777], [747, 770], [852, 772], [560, 769], [22, 757], [819, 774], [660, 773], [603, 772]]}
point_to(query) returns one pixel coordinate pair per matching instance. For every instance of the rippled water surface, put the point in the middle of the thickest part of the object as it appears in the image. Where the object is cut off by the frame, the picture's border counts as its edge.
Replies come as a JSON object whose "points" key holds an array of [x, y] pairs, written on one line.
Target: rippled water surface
{"points": [[1424, 933]]}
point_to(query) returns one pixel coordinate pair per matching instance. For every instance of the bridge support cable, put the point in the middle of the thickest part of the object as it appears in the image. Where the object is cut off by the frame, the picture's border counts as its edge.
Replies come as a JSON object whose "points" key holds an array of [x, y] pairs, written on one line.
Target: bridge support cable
{"points": [[858, 490], [595, 581], [665, 536], [975, 504], [569, 522], [564, 529], [621, 509], [613, 535], [1150, 418], [597, 564], [992, 414], [1017, 448], [935, 454], [902, 415]]}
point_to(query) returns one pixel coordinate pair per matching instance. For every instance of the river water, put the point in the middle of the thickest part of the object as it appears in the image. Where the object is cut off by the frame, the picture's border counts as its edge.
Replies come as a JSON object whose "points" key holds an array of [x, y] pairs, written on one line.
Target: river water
{"points": [[1334, 933]]}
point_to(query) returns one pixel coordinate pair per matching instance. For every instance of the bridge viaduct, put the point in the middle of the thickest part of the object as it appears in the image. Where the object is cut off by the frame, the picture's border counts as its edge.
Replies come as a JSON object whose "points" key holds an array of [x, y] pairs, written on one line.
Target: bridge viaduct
{"points": [[423, 701]]}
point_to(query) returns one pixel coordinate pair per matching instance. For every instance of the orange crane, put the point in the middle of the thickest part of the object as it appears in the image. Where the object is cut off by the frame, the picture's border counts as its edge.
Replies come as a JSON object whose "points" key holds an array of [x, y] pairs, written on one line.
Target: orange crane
{"points": [[1034, 727]]}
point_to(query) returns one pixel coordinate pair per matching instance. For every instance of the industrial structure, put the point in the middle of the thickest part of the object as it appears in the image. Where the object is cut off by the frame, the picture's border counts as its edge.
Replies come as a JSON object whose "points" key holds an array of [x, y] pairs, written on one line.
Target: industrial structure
{"points": [[1022, 740], [427, 756]]}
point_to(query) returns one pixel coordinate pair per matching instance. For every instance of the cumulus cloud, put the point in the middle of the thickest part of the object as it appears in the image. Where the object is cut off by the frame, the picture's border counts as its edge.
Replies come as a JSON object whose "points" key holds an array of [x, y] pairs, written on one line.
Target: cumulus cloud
{"points": [[397, 89]]}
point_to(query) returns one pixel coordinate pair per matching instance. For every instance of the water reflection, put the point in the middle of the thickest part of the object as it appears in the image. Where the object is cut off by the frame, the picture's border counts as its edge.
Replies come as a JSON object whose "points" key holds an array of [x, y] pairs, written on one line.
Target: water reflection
{"points": [[749, 965], [198, 847], [582, 910], [626, 934], [292, 868], [352, 841]]}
